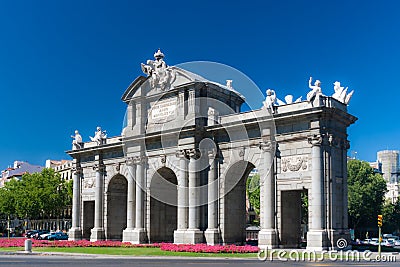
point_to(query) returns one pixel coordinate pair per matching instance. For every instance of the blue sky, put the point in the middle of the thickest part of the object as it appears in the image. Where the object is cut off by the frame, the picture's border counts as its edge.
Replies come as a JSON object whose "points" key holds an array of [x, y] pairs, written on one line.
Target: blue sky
{"points": [[65, 64]]}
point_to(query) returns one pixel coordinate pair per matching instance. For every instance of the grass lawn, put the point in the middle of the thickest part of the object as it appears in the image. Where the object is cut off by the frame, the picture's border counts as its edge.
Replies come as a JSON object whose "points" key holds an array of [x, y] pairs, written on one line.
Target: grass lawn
{"points": [[132, 252]]}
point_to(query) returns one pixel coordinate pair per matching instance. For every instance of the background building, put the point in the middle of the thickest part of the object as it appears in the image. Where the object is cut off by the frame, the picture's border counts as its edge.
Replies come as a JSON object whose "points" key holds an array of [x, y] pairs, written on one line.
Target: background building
{"points": [[18, 169], [387, 164], [61, 166]]}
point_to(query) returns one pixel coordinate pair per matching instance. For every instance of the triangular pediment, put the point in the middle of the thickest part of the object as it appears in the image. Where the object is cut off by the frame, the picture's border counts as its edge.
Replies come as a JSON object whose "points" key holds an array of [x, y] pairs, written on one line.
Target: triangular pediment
{"points": [[174, 77]]}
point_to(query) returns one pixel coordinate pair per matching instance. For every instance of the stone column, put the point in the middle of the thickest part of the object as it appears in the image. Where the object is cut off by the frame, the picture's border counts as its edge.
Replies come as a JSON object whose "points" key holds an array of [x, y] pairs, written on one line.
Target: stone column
{"points": [[193, 234], [212, 232], [127, 235], [267, 236], [97, 233], [75, 233], [317, 235], [139, 233], [346, 231], [179, 234]]}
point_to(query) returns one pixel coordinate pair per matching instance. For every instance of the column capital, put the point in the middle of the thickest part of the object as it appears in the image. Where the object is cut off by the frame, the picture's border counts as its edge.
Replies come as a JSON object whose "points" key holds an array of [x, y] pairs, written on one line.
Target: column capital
{"points": [[345, 144], [129, 161], [315, 140], [99, 167], [181, 153], [193, 153], [139, 159], [334, 141], [266, 146]]}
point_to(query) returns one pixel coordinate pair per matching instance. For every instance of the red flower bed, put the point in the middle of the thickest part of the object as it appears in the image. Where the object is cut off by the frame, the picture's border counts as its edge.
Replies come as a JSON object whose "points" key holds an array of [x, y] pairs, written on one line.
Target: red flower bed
{"points": [[20, 242], [204, 248]]}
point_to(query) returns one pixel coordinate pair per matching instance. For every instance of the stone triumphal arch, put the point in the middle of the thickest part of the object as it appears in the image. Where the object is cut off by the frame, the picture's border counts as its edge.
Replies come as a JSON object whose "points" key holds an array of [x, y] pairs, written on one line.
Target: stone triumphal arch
{"points": [[178, 171]]}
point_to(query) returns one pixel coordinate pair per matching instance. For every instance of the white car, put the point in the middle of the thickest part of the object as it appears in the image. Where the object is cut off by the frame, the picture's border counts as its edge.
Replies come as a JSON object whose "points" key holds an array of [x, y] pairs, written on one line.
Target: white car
{"points": [[44, 236], [387, 243], [374, 241]]}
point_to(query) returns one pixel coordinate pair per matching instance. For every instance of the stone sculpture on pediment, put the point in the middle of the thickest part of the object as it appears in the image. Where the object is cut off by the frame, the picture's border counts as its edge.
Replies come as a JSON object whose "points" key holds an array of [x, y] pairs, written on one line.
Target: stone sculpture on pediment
{"points": [[160, 74], [315, 92], [77, 143], [269, 102], [99, 136]]}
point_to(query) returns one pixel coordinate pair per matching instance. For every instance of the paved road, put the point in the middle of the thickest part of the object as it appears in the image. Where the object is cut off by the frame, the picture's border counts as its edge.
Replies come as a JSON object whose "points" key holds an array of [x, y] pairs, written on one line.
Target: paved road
{"points": [[99, 261]]}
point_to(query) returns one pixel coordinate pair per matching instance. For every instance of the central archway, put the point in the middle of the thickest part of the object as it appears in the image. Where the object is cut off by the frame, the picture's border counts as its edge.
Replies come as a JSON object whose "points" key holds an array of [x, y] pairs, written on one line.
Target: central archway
{"points": [[163, 205], [234, 222], [116, 207]]}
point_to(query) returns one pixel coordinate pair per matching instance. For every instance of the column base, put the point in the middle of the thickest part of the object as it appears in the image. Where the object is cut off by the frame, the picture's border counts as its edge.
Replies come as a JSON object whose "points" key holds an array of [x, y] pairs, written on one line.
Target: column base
{"points": [[194, 236], [267, 238], [97, 234], [75, 234], [128, 235], [136, 236], [340, 239], [212, 236], [180, 236], [317, 240]]}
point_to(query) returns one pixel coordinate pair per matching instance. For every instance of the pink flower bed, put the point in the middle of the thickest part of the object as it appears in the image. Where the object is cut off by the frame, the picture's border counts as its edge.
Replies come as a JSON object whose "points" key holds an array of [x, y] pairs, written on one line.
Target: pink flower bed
{"points": [[20, 242], [204, 248]]}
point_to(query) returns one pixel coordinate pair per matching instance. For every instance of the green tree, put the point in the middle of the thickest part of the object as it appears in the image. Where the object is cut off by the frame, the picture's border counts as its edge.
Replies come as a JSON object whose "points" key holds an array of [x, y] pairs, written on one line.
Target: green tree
{"points": [[35, 196], [7, 198], [366, 193], [391, 217], [253, 192]]}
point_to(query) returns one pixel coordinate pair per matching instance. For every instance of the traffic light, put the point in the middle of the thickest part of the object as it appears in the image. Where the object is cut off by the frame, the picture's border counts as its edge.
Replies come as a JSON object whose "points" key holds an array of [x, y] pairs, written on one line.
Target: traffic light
{"points": [[380, 220]]}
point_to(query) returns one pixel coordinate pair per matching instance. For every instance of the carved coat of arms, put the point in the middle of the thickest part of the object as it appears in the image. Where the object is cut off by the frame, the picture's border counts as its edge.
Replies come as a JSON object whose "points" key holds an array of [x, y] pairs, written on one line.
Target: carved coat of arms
{"points": [[161, 76]]}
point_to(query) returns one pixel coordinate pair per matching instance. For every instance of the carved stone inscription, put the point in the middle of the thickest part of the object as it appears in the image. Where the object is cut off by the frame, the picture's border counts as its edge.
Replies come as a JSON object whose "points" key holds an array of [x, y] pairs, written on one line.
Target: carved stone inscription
{"points": [[164, 110], [294, 163]]}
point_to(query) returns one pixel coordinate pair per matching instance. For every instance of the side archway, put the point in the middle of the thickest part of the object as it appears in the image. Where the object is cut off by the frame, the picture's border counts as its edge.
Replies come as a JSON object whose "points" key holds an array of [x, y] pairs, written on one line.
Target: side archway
{"points": [[116, 207], [163, 205], [234, 204]]}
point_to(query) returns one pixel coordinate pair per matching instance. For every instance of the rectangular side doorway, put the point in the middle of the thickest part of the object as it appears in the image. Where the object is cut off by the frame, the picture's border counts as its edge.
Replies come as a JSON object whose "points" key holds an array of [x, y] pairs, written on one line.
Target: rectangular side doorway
{"points": [[88, 218], [291, 218]]}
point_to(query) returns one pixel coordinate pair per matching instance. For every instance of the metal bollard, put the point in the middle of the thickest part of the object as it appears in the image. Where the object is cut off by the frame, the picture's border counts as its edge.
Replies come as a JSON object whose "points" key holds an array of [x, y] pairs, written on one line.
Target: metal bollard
{"points": [[28, 245]]}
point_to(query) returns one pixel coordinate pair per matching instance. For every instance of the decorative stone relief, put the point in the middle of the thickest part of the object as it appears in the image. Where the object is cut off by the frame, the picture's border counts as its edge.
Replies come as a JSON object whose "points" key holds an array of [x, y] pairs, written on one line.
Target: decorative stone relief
{"points": [[89, 183], [163, 159], [294, 163]]}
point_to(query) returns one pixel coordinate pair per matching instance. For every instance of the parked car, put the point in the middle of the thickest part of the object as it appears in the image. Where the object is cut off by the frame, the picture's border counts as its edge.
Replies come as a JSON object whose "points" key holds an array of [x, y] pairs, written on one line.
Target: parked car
{"points": [[38, 234], [374, 241], [30, 233], [386, 243], [45, 235], [57, 236], [366, 241]]}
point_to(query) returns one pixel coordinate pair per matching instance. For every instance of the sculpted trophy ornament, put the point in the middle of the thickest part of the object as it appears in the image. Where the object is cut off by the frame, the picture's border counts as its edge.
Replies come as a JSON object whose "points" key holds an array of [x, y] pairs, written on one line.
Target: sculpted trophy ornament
{"points": [[160, 74], [341, 93], [77, 142], [99, 136]]}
